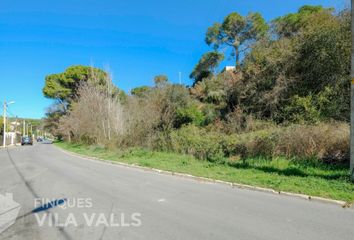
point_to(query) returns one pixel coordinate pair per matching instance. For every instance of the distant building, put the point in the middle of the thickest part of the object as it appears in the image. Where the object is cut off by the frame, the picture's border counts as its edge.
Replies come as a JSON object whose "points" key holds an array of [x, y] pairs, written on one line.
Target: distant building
{"points": [[229, 69]]}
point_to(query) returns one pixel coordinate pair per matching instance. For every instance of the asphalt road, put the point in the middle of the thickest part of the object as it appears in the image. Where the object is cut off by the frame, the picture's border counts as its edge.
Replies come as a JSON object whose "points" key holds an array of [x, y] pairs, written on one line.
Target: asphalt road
{"points": [[147, 205]]}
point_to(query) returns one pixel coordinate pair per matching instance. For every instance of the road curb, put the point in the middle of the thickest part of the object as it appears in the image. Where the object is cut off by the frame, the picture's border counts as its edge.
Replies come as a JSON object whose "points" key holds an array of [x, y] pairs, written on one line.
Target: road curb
{"points": [[343, 204], [10, 146]]}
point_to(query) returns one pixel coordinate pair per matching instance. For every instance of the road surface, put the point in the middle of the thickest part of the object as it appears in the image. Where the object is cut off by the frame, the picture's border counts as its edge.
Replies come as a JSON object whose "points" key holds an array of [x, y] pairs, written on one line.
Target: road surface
{"points": [[148, 205]]}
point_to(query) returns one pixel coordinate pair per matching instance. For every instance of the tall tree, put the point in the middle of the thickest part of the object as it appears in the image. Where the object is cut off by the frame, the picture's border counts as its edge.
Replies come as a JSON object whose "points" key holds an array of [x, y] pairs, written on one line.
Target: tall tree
{"points": [[290, 24], [63, 86], [160, 80], [237, 32], [140, 91], [305, 72], [206, 66]]}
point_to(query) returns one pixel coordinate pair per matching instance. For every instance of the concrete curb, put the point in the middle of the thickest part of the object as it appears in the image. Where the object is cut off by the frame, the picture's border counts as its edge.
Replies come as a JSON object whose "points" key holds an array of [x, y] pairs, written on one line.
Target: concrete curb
{"points": [[343, 204], [11, 146]]}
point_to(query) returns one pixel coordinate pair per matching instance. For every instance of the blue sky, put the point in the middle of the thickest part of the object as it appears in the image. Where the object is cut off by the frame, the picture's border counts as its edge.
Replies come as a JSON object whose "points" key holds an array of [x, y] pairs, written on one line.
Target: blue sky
{"points": [[135, 40]]}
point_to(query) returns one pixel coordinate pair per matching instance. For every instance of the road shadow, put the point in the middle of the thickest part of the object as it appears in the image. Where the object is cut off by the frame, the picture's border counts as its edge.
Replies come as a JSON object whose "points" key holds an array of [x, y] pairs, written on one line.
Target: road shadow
{"points": [[291, 171]]}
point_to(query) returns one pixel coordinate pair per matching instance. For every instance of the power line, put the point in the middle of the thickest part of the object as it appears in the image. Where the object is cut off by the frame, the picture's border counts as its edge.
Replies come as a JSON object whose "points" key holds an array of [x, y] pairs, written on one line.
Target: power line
{"points": [[10, 113]]}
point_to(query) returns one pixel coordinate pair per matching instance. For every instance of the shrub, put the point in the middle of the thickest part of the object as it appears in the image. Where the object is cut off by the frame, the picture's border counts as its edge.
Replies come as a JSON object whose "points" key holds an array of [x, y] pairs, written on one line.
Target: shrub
{"points": [[303, 110], [252, 144], [189, 114], [328, 142], [238, 121], [198, 142], [151, 117], [95, 116], [215, 146]]}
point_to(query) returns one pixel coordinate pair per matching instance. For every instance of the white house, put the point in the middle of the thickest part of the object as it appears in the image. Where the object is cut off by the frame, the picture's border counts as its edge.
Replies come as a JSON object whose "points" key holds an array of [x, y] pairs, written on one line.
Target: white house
{"points": [[229, 69]]}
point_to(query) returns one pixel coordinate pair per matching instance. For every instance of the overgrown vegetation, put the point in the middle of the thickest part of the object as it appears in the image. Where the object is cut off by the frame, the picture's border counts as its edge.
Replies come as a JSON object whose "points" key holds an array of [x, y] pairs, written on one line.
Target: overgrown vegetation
{"points": [[306, 177], [286, 98], [327, 142]]}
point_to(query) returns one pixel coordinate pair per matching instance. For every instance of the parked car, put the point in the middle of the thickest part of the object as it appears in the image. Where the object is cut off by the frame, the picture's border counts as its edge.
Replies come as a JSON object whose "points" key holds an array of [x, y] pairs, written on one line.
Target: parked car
{"points": [[39, 139], [26, 141]]}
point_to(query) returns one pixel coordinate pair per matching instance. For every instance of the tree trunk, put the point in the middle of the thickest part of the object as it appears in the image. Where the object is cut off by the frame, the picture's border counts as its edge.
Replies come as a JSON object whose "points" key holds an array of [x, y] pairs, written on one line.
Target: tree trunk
{"points": [[237, 54]]}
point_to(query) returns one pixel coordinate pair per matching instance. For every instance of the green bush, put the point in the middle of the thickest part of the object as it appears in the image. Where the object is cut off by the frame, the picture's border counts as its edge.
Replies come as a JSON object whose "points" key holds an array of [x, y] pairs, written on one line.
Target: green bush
{"points": [[326, 142], [215, 146], [198, 142], [189, 114], [252, 144], [302, 110]]}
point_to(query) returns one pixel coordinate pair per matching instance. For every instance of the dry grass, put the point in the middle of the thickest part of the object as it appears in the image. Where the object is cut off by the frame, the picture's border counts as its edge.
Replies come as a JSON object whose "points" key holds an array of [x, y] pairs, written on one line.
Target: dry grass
{"points": [[325, 141]]}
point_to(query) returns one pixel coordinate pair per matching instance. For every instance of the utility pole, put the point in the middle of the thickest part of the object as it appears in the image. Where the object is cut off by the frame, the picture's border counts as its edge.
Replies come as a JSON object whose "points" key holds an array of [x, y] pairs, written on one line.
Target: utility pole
{"points": [[109, 82], [4, 132], [352, 99], [16, 129], [24, 128], [16, 125]]}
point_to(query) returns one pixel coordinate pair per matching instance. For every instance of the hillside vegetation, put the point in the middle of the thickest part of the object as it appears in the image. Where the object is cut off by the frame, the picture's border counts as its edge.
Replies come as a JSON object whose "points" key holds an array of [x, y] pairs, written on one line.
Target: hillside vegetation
{"points": [[287, 98]]}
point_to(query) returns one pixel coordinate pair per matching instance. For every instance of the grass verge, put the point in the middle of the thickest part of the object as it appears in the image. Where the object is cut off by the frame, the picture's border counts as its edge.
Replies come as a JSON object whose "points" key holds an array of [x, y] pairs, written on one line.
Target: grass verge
{"points": [[280, 174]]}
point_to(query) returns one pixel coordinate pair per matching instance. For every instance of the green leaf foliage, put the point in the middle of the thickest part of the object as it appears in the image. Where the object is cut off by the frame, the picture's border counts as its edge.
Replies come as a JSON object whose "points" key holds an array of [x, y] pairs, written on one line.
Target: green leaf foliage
{"points": [[63, 86], [237, 32], [206, 65], [140, 91]]}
